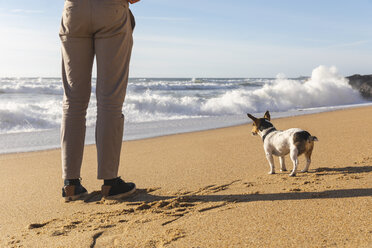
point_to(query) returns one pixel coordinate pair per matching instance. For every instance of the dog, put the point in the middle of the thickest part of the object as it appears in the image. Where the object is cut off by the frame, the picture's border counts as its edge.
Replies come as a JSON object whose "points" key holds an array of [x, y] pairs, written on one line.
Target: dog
{"points": [[292, 141]]}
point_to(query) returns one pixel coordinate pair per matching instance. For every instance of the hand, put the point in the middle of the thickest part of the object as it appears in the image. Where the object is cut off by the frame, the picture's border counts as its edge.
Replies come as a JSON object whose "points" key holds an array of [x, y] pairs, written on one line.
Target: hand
{"points": [[133, 1]]}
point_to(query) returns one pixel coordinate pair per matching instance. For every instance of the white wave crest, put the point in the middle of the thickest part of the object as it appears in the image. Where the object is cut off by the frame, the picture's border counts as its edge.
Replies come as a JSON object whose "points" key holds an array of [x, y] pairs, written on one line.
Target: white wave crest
{"points": [[26, 118], [326, 87], [31, 86], [151, 106]]}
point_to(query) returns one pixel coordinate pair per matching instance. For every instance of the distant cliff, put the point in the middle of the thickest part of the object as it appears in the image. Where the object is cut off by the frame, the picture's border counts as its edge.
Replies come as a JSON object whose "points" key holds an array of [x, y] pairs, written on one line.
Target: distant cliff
{"points": [[363, 83]]}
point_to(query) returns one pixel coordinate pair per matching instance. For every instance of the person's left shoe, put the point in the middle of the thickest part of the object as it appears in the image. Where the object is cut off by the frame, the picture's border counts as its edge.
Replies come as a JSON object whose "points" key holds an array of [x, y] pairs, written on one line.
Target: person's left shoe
{"points": [[116, 188], [73, 192]]}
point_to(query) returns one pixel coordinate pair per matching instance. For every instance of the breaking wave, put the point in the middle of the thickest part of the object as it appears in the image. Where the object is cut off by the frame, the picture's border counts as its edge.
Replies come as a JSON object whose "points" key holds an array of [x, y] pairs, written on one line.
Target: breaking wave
{"points": [[30, 104]]}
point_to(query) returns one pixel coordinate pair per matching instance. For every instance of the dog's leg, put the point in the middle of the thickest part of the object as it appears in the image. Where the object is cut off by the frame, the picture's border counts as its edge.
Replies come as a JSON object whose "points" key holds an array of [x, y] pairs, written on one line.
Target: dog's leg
{"points": [[282, 164], [308, 153], [293, 155], [308, 161], [270, 158]]}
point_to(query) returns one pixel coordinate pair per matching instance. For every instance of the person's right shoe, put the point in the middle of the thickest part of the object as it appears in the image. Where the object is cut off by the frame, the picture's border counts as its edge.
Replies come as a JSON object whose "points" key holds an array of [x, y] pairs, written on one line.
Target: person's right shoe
{"points": [[117, 189]]}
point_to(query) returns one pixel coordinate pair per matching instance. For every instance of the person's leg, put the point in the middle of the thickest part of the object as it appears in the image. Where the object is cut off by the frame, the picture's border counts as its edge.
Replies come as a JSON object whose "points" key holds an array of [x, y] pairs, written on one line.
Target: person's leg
{"points": [[77, 61], [113, 55], [113, 46]]}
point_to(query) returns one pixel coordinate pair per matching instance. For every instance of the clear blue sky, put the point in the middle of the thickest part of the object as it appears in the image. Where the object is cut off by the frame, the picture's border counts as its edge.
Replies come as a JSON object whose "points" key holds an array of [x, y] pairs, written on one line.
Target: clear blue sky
{"points": [[206, 38]]}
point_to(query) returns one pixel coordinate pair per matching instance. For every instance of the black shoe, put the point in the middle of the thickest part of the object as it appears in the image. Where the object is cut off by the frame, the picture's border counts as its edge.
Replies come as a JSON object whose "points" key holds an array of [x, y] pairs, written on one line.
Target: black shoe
{"points": [[73, 192], [117, 188]]}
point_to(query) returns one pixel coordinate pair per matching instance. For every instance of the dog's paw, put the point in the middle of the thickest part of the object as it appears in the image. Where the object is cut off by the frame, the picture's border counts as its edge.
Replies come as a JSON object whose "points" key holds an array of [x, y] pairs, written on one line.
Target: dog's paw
{"points": [[283, 170], [292, 174], [271, 172], [303, 171]]}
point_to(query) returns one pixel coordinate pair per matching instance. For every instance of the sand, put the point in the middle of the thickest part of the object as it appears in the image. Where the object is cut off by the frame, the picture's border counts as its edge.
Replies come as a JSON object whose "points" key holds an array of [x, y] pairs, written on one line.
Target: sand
{"points": [[202, 189]]}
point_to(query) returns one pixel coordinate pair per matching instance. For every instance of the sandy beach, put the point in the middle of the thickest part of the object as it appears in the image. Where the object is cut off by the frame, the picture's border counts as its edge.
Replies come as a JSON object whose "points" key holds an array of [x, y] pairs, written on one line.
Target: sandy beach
{"points": [[202, 189]]}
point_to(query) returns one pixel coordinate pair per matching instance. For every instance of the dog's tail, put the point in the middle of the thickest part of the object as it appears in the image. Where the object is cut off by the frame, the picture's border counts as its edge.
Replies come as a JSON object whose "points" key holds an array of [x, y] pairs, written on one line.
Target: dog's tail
{"points": [[312, 138]]}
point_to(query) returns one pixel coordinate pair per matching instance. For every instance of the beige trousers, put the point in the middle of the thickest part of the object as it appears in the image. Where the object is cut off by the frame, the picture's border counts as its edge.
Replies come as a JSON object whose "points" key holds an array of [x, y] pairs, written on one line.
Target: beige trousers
{"points": [[89, 28]]}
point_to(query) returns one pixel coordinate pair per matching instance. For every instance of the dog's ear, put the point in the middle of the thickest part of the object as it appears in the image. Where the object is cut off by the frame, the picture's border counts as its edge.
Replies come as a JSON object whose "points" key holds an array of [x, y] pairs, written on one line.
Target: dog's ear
{"points": [[252, 117], [267, 115]]}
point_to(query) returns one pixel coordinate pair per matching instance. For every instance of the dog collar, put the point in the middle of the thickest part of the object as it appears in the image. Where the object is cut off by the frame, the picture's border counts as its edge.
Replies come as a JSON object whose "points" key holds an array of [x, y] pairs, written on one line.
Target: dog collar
{"points": [[272, 129]]}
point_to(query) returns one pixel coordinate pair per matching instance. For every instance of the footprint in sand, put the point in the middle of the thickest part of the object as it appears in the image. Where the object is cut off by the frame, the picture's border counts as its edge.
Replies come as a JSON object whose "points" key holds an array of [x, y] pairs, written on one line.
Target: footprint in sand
{"points": [[169, 208]]}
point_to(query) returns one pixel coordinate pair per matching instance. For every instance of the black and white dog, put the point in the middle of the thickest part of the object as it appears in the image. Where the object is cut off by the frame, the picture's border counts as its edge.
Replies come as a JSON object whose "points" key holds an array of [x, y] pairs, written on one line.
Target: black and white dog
{"points": [[294, 141]]}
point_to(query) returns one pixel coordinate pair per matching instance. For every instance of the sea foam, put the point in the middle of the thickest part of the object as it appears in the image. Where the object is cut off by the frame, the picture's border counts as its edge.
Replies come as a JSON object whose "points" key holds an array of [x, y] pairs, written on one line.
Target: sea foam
{"points": [[326, 87], [35, 104]]}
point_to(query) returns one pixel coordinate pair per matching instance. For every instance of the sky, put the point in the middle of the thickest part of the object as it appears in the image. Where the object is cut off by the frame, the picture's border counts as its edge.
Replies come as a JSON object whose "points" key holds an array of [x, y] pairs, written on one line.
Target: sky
{"points": [[206, 38]]}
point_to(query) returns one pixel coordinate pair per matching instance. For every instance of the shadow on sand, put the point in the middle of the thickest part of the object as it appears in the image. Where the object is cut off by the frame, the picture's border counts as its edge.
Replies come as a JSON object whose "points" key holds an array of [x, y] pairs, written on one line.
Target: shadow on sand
{"points": [[143, 196], [347, 170]]}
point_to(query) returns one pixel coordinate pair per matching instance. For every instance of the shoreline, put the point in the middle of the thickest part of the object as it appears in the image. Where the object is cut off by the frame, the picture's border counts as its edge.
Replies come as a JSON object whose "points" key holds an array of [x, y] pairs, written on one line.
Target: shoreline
{"points": [[207, 123]]}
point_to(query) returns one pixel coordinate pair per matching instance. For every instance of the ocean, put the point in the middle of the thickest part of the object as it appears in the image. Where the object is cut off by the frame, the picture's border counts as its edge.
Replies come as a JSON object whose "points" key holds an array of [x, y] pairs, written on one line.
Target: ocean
{"points": [[30, 108]]}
